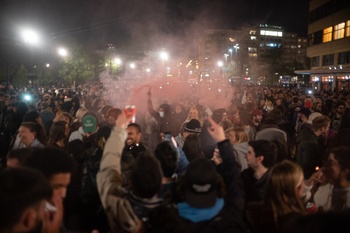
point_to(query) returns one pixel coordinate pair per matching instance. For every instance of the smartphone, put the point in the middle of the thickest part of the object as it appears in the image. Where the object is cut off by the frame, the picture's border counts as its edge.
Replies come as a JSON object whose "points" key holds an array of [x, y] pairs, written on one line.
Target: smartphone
{"points": [[130, 110], [49, 207], [167, 136]]}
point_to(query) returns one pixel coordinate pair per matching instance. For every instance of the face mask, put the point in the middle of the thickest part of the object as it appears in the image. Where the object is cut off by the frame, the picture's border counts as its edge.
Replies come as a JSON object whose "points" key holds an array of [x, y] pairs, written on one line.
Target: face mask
{"points": [[161, 114]]}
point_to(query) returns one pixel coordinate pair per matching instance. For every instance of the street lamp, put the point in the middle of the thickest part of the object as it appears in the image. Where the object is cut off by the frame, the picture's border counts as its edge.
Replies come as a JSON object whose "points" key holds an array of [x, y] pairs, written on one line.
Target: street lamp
{"points": [[220, 65], [164, 56], [132, 65], [30, 37], [230, 50], [236, 48], [118, 61], [62, 52], [226, 55]]}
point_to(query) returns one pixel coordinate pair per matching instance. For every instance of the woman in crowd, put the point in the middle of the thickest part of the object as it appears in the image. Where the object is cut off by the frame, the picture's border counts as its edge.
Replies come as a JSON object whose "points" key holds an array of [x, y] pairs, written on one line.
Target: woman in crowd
{"points": [[239, 140], [193, 147], [59, 133], [331, 184], [283, 199], [32, 134], [193, 113]]}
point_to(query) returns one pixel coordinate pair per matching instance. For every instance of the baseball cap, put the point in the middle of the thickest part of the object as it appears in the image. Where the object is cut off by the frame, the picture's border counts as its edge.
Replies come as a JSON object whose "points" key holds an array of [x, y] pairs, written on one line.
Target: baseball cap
{"points": [[89, 124], [193, 126], [201, 184]]}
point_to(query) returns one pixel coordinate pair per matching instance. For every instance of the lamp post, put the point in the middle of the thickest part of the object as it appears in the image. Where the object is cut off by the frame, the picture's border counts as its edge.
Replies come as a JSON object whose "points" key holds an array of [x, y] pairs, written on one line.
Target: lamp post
{"points": [[230, 50], [164, 56], [236, 48], [62, 52], [220, 64], [226, 55], [31, 38]]}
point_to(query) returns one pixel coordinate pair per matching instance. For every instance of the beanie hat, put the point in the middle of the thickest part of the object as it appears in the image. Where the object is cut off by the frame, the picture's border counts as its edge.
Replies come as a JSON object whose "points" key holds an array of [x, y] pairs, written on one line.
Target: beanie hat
{"points": [[193, 126]]}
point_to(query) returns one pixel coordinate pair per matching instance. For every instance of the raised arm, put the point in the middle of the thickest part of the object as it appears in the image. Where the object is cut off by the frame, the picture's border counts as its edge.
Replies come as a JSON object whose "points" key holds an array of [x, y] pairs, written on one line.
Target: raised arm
{"points": [[119, 212]]}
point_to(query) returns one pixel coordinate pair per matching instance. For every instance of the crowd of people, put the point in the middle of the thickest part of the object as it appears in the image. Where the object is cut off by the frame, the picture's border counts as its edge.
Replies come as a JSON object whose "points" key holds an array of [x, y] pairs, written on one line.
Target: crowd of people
{"points": [[274, 160]]}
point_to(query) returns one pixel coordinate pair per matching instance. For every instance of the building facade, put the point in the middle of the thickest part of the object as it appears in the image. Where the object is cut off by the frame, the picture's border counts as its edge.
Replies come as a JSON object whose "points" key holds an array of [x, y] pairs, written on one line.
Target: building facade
{"points": [[329, 44], [252, 53]]}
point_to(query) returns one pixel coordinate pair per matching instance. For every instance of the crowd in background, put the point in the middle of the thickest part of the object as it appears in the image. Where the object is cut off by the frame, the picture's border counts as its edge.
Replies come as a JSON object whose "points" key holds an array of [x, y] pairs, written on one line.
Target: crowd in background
{"points": [[276, 158]]}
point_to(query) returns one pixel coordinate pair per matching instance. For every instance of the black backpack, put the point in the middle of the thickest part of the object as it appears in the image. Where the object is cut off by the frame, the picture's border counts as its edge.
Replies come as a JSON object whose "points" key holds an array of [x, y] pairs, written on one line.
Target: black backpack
{"points": [[88, 189]]}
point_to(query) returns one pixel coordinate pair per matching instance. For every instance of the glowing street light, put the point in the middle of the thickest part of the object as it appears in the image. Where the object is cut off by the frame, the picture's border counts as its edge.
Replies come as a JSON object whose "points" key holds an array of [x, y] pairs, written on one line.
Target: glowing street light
{"points": [[220, 64], [118, 61], [30, 37], [236, 48], [62, 52], [164, 55], [230, 50], [47, 65], [132, 65], [226, 55]]}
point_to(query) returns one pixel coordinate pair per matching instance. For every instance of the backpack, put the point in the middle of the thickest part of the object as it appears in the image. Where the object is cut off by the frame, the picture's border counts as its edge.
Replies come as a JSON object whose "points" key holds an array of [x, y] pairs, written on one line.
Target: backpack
{"points": [[88, 189]]}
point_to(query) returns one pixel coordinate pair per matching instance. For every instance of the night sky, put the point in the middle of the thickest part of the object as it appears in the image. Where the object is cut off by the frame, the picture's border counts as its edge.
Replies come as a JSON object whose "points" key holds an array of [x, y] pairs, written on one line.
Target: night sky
{"points": [[145, 23]]}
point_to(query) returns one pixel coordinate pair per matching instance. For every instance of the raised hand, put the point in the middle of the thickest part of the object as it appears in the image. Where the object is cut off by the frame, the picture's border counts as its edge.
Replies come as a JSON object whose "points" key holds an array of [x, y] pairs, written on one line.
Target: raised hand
{"points": [[216, 131], [123, 121], [52, 220]]}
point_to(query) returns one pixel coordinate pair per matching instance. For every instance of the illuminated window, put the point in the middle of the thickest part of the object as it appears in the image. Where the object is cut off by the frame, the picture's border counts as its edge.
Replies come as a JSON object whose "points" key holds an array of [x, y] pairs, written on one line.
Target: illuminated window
{"points": [[271, 33], [327, 34], [252, 54], [252, 32], [299, 46], [347, 29], [252, 49], [253, 38], [339, 31]]}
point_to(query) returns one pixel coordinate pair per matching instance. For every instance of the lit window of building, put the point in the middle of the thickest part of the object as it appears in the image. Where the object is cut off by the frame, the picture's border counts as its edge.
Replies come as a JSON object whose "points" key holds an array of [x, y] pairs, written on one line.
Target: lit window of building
{"points": [[252, 32], [253, 54], [252, 49], [327, 34], [347, 29], [253, 38], [339, 31], [271, 33]]}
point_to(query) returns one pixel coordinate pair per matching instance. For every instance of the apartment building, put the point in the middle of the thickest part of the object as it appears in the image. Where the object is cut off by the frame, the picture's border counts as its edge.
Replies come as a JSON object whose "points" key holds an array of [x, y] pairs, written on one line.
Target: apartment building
{"points": [[329, 44]]}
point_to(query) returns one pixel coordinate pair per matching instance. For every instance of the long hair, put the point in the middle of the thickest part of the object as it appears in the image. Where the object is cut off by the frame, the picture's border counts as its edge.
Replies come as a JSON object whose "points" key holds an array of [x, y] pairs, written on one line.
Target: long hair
{"points": [[57, 132], [282, 195], [198, 117], [240, 133], [192, 147]]}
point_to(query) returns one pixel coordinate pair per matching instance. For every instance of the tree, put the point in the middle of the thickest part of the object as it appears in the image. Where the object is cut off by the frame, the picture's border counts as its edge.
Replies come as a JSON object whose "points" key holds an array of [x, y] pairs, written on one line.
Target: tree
{"points": [[79, 65], [20, 76]]}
